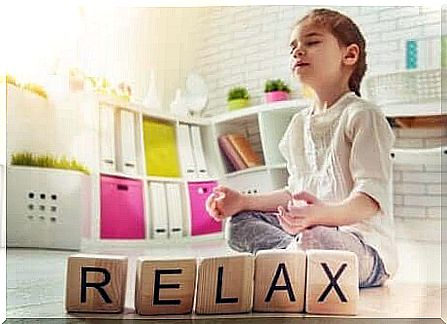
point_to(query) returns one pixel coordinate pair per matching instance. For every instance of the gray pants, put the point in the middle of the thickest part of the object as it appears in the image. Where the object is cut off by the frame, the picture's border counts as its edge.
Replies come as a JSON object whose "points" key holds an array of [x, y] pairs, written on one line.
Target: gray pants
{"points": [[251, 231]]}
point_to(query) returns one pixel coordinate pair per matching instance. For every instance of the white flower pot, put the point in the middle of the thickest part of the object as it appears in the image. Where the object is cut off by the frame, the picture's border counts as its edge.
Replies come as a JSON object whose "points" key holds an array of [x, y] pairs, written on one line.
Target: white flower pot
{"points": [[46, 208]]}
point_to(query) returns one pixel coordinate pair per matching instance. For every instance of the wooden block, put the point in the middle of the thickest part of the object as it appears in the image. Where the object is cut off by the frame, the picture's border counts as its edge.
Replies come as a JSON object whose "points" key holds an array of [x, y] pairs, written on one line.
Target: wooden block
{"points": [[332, 285], [165, 286], [225, 284], [96, 283], [280, 281]]}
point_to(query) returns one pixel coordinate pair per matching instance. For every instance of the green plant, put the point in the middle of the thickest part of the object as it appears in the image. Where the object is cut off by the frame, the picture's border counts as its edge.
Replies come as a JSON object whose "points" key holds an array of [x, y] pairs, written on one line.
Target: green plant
{"points": [[32, 87], [276, 85], [47, 161], [238, 93]]}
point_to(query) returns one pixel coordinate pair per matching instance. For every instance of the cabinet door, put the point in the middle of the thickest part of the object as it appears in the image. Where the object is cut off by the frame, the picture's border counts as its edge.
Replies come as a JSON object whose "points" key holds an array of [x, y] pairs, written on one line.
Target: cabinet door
{"points": [[201, 221], [129, 159], [122, 211]]}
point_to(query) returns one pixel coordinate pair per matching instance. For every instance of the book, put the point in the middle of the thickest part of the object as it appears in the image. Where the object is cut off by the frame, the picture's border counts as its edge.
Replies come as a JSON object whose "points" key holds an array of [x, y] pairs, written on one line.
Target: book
{"points": [[199, 156], [230, 153], [175, 214], [244, 149], [186, 152]]}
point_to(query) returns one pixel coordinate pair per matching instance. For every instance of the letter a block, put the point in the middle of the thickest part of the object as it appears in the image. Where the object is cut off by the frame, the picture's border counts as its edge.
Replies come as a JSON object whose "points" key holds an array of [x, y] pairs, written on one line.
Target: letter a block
{"points": [[280, 280], [96, 283], [332, 282], [225, 284], [165, 286]]}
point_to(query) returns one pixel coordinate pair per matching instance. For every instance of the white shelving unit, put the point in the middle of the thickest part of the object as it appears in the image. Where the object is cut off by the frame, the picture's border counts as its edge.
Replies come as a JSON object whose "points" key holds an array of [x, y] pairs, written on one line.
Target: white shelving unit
{"points": [[263, 125]]}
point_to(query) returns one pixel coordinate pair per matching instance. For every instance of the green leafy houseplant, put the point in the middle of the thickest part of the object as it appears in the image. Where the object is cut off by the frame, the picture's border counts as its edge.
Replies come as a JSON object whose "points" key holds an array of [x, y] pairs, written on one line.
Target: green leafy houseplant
{"points": [[276, 85], [238, 98], [32, 87], [276, 90], [47, 161]]}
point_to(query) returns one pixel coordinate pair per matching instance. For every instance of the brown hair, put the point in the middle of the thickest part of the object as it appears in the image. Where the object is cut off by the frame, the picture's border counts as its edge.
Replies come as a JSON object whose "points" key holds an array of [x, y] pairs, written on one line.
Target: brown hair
{"points": [[347, 33]]}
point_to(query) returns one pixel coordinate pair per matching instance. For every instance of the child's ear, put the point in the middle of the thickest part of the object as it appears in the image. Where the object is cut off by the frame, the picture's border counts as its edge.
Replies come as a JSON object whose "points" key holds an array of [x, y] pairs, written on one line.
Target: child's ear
{"points": [[351, 55]]}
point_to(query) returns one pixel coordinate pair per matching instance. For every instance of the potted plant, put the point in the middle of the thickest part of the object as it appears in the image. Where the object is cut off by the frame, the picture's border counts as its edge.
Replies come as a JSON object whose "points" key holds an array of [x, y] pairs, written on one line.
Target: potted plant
{"points": [[49, 202], [238, 98], [276, 90]]}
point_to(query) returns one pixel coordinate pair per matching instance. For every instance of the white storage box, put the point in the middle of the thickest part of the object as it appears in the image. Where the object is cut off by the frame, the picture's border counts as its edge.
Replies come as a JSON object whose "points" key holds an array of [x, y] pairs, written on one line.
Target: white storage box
{"points": [[46, 207]]}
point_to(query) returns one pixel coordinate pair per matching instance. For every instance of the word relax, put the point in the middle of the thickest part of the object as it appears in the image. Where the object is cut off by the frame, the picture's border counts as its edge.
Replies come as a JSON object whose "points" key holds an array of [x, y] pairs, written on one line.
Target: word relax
{"points": [[315, 281]]}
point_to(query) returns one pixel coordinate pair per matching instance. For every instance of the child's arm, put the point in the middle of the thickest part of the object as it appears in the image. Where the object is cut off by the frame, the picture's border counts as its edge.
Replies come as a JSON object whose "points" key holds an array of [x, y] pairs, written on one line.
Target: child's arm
{"points": [[357, 207], [225, 202]]}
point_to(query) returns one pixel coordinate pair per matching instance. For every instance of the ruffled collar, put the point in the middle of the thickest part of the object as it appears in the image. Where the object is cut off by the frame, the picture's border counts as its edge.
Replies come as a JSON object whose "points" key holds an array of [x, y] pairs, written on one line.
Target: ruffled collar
{"points": [[332, 111]]}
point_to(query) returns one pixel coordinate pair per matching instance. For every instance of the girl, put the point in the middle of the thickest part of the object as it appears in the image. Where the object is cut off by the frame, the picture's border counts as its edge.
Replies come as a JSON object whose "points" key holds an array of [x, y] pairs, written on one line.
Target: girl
{"points": [[338, 159]]}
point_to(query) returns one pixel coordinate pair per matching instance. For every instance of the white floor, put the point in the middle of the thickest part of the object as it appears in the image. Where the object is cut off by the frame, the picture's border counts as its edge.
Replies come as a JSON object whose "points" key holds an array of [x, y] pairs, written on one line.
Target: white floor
{"points": [[36, 281]]}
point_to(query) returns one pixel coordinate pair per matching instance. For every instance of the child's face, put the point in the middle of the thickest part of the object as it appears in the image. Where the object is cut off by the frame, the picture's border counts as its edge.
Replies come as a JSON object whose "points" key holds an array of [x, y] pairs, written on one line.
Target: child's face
{"points": [[315, 56]]}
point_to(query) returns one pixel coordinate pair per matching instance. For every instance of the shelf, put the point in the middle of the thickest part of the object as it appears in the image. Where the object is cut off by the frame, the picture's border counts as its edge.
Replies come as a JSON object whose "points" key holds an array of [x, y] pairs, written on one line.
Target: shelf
{"points": [[278, 166], [431, 156], [245, 171], [121, 175], [251, 111], [164, 179], [156, 114], [412, 110], [202, 179]]}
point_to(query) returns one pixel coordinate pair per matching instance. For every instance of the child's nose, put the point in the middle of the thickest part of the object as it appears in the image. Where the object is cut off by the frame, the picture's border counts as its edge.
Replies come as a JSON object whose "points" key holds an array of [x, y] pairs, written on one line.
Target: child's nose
{"points": [[298, 52]]}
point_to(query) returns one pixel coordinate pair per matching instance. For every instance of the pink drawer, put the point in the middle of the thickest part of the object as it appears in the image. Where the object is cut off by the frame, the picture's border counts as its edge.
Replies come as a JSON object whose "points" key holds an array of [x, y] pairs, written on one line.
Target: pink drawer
{"points": [[201, 221], [122, 209]]}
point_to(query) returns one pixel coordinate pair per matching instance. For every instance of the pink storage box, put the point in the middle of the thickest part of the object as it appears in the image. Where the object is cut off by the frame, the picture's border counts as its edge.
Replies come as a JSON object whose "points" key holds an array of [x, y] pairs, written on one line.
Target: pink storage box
{"points": [[122, 209], [201, 221]]}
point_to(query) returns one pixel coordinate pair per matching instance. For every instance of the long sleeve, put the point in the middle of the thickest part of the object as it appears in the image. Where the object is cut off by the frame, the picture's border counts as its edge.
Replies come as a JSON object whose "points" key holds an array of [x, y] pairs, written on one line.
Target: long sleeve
{"points": [[370, 163]]}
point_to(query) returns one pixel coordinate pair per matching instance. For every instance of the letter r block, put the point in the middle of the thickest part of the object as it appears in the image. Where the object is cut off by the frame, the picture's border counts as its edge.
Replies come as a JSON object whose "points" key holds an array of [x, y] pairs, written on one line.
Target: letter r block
{"points": [[96, 283], [225, 284], [332, 282], [280, 281], [165, 286]]}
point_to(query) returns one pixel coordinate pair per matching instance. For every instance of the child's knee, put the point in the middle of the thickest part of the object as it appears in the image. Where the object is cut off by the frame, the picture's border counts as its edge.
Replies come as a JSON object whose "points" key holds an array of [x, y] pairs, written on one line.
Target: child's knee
{"points": [[237, 234], [314, 238]]}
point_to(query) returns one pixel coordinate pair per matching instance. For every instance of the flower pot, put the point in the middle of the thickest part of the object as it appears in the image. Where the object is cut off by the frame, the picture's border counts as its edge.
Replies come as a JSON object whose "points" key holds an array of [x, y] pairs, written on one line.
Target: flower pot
{"points": [[47, 208], [237, 104], [276, 96]]}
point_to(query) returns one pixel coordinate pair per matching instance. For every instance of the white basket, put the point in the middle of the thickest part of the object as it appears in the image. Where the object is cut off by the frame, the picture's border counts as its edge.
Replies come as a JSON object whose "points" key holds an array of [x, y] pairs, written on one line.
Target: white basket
{"points": [[46, 208], [419, 86]]}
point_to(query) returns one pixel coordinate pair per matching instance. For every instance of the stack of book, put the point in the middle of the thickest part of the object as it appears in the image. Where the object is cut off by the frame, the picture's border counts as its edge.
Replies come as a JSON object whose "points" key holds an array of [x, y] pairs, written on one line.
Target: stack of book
{"points": [[238, 151]]}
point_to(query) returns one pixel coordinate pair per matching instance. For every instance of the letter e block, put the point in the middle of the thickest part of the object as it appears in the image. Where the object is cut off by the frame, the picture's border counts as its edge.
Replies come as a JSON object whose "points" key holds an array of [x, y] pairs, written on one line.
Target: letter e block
{"points": [[225, 284], [96, 283], [280, 281], [165, 286], [332, 282]]}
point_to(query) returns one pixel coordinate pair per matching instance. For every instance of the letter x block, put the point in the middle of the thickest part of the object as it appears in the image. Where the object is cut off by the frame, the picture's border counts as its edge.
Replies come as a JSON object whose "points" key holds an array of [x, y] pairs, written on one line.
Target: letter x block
{"points": [[96, 283], [280, 280], [165, 286], [332, 282], [225, 284]]}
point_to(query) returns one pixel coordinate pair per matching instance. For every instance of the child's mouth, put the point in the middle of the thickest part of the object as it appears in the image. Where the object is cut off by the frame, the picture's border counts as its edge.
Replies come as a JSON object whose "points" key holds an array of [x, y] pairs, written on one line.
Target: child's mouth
{"points": [[300, 65]]}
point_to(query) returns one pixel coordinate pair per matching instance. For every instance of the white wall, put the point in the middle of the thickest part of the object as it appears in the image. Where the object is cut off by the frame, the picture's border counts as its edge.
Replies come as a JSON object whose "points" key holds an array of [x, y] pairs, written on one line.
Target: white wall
{"points": [[125, 44], [247, 45]]}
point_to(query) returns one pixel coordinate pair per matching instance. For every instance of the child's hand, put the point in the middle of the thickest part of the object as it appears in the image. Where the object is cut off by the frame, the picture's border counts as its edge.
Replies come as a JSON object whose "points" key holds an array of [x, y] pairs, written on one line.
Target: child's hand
{"points": [[300, 214], [224, 202]]}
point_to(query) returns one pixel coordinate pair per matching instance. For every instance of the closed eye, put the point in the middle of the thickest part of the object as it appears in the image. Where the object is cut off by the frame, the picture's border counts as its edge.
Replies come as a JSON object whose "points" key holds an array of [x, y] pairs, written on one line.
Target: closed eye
{"points": [[313, 43]]}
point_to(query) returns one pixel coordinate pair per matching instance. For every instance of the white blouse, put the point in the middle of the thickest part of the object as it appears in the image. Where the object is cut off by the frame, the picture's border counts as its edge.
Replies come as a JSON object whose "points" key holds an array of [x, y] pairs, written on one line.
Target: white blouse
{"points": [[345, 149]]}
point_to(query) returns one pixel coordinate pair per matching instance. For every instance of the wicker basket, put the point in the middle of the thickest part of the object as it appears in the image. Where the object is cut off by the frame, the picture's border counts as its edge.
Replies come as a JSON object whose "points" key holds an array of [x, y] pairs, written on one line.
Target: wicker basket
{"points": [[419, 86]]}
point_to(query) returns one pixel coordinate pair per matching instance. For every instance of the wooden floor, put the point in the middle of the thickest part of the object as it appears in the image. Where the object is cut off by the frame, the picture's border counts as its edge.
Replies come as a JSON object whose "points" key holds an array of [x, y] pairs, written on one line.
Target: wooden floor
{"points": [[36, 283]]}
